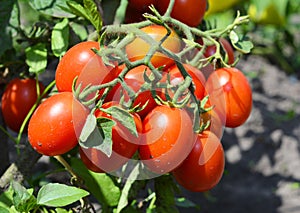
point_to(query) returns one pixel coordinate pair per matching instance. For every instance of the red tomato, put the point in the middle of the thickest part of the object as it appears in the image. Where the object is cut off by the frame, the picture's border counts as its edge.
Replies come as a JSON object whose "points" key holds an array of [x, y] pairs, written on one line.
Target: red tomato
{"points": [[216, 125], [227, 48], [141, 5], [55, 126], [135, 80], [139, 48], [167, 140], [86, 155], [80, 61], [18, 98], [231, 93], [124, 145], [190, 12], [204, 166], [197, 77]]}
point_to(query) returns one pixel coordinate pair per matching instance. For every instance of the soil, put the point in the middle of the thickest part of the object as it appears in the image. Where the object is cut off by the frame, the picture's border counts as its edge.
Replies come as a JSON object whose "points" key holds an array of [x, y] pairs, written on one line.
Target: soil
{"points": [[263, 155]]}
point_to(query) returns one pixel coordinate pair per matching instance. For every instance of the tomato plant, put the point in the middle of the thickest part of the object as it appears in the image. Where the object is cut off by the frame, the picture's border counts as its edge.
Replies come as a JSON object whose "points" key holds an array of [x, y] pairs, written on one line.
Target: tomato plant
{"points": [[190, 12], [197, 76], [231, 93], [124, 143], [56, 124], [156, 32], [204, 166], [80, 61], [18, 98], [168, 137], [141, 5]]}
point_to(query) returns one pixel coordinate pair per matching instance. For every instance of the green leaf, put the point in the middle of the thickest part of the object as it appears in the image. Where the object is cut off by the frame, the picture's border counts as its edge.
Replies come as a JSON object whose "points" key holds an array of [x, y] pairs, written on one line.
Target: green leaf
{"points": [[124, 117], [88, 128], [123, 202], [4, 210], [36, 58], [58, 195], [61, 210], [99, 138], [165, 193], [79, 30], [100, 185], [242, 44], [6, 198], [60, 38], [23, 200], [9, 21], [78, 9], [184, 202], [93, 13], [55, 8]]}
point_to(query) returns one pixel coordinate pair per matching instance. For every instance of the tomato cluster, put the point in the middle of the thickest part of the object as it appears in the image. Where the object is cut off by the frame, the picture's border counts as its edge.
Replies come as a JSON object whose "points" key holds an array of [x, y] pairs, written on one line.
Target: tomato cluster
{"points": [[168, 115]]}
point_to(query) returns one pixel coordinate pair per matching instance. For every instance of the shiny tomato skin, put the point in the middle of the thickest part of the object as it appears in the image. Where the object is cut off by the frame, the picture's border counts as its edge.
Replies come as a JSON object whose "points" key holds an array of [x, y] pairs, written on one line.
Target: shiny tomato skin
{"points": [[231, 93], [86, 155], [124, 144], [139, 48], [168, 137], [135, 80], [56, 124], [190, 12], [203, 168], [18, 98], [197, 77], [80, 61]]}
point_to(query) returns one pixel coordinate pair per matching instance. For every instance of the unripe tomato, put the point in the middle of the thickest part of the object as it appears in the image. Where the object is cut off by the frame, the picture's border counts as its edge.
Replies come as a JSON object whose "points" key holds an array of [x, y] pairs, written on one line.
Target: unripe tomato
{"points": [[18, 98], [139, 48], [56, 124], [215, 6], [190, 12], [204, 166]]}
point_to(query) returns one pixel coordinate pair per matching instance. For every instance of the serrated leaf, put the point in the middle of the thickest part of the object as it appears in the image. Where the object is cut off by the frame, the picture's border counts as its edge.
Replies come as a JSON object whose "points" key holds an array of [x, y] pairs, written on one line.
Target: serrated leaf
{"points": [[60, 38], [100, 185], [55, 8], [100, 138], [93, 13], [36, 58], [124, 117], [78, 9], [58, 195]]}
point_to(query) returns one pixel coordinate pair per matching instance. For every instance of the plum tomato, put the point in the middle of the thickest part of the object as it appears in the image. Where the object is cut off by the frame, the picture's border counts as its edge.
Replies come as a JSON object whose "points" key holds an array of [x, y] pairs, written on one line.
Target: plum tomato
{"points": [[18, 98], [56, 124], [139, 48], [190, 12], [168, 138], [196, 75], [204, 166], [124, 146], [135, 80], [80, 61], [230, 92]]}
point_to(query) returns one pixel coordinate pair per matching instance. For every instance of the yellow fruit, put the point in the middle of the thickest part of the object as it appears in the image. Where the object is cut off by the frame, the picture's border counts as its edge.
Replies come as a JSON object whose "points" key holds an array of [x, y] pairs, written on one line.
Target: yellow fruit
{"points": [[219, 5]]}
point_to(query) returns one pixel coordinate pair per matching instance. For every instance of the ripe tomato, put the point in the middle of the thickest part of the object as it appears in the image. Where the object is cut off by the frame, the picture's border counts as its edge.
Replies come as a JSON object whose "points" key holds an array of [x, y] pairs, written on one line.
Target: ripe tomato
{"points": [[56, 124], [227, 48], [124, 145], [230, 92], [167, 140], [204, 166], [139, 48], [80, 61], [18, 98], [135, 80], [190, 12], [197, 77], [141, 5]]}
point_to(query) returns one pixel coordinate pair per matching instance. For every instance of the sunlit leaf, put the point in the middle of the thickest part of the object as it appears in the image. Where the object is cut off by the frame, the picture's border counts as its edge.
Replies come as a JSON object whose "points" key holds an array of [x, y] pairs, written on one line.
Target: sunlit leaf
{"points": [[36, 57], [60, 38]]}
